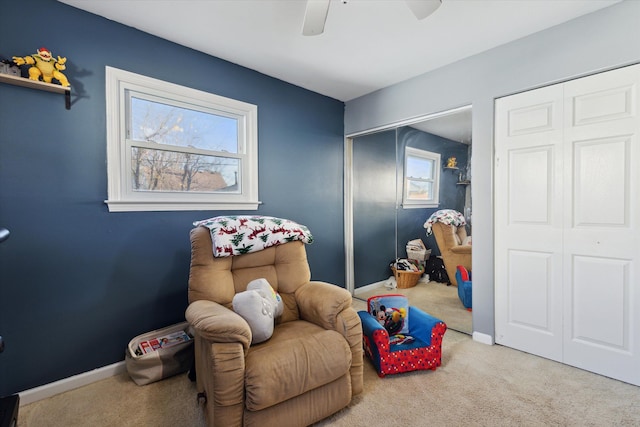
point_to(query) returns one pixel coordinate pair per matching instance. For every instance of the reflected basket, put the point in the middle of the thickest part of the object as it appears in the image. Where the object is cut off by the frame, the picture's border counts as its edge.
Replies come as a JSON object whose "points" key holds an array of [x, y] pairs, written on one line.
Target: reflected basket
{"points": [[406, 279]]}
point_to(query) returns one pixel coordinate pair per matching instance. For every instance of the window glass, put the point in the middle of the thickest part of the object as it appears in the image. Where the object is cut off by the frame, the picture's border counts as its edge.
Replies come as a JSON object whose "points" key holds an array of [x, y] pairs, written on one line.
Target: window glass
{"points": [[159, 170], [421, 178], [168, 124], [419, 167], [417, 190], [170, 147]]}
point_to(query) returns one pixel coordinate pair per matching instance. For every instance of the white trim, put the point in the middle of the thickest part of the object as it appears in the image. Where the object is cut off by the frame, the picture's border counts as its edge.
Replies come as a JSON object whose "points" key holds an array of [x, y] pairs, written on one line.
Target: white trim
{"points": [[406, 122], [388, 284], [367, 288], [71, 383], [348, 216], [482, 338], [140, 206], [122, 198]]}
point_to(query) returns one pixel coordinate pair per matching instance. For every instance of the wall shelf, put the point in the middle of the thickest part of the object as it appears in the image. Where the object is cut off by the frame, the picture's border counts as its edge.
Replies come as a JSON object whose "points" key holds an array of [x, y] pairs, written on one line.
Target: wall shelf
{"points": [[33, 84], [463, 183]]}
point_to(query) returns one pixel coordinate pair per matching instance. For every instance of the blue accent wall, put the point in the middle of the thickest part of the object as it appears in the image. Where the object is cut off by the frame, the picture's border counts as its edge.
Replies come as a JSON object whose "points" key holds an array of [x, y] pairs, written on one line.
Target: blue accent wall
{"points": [[77, 282], [452, 196], [374, 206]]}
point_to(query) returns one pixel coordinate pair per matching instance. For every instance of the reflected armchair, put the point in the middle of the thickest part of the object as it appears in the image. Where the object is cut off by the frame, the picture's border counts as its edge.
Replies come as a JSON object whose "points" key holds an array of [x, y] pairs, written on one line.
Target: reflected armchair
{"points": [[448, 227]]}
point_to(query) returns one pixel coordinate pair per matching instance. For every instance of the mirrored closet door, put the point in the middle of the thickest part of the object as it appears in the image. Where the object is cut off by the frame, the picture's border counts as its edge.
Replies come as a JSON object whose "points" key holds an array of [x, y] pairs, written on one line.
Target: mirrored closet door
{"points": [[383, 219]]}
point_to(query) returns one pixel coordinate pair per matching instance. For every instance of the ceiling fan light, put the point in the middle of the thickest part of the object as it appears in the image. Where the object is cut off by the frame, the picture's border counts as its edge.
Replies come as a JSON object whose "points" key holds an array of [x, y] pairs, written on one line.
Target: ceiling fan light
{"points": [[315, 17], [423, 8]]}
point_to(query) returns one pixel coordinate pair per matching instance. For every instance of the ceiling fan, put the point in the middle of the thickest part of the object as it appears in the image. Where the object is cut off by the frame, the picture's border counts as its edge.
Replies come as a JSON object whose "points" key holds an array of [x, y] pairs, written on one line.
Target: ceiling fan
{"points": [[316, 13]]}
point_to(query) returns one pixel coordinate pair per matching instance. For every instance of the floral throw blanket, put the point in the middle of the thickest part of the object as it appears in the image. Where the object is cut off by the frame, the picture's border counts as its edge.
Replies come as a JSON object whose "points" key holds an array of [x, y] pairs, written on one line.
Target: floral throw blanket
{"points": [[445, 216], [238, 235]]}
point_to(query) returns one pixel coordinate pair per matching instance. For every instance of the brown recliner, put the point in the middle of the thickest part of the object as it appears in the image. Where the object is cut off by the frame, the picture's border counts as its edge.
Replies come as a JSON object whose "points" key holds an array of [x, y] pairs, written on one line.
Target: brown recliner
{"points": [[310, 367], [454, 252]]}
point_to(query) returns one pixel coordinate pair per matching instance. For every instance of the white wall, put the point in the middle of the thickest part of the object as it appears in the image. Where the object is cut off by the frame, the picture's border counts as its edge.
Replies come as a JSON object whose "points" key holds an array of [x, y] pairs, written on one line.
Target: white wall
{"points": [[599, 41]]}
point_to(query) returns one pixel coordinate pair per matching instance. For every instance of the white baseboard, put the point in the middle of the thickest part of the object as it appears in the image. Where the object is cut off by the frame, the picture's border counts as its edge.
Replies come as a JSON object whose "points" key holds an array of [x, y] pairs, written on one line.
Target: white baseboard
{"points": [[372, 286], [57, 387], [483, 338]]}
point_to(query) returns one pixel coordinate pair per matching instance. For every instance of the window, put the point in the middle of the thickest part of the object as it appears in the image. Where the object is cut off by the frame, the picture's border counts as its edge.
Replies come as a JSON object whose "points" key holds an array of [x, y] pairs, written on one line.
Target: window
{"points": [[421, 178], [170, 147]]}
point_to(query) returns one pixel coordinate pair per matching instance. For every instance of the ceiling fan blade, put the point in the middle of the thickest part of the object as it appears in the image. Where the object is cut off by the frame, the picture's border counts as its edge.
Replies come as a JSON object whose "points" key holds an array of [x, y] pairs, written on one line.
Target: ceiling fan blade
{"points": [[423, 8], [315, 16]]}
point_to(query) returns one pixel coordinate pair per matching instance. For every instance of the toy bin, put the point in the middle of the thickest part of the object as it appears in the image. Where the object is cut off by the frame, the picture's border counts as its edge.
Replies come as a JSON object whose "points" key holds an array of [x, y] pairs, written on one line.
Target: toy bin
{"points": [[159, 354], [406, 279]]}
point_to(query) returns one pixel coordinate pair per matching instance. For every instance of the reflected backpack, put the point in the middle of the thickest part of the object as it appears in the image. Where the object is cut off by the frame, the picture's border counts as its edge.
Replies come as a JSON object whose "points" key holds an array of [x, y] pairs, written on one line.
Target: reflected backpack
{"points": [[436, 271]]}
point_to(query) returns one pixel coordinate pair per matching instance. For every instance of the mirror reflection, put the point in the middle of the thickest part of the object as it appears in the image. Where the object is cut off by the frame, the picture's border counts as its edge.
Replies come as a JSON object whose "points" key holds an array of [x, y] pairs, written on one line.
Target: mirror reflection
{"points": [[403, 178]]}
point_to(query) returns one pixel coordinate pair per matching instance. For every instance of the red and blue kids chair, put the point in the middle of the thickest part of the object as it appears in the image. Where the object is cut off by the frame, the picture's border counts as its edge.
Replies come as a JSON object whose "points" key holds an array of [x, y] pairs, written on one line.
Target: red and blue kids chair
{"points": [[400, 338], [463, 277]]}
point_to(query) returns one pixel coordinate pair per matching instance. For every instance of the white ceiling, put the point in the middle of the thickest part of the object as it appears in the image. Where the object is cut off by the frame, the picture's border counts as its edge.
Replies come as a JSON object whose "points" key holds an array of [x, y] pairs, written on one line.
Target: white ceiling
{"points": [[455, 126], [366, 44]]}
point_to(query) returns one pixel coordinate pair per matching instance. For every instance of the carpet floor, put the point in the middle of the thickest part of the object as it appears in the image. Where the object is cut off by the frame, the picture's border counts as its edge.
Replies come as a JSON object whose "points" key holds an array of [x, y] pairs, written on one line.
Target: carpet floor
{"points": [[477, 385]]}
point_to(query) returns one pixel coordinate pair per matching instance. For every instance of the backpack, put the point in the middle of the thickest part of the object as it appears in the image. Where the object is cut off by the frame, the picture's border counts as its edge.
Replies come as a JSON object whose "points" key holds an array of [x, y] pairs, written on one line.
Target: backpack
{"points": [[436, 271]]}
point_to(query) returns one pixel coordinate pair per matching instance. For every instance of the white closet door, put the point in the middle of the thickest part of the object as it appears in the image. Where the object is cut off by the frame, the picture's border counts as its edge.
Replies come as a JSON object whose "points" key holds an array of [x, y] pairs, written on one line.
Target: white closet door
{"points": [[528, 222], [602, 224], [567, 226]]}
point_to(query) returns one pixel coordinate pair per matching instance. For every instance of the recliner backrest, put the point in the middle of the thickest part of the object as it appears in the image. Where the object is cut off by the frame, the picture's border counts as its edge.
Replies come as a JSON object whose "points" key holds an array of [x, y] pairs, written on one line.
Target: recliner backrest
{"points": [[284, 266], [448, 236]]}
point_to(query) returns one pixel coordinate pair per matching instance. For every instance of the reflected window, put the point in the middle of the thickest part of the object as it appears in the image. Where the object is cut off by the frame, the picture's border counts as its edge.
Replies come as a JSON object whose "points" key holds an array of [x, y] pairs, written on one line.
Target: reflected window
{"points": [[421, 178]]}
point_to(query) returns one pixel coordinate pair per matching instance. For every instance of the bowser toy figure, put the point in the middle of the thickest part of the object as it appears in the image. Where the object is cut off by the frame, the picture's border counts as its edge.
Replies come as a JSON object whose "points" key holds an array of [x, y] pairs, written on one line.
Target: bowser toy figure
{"points": [[45, 66]]}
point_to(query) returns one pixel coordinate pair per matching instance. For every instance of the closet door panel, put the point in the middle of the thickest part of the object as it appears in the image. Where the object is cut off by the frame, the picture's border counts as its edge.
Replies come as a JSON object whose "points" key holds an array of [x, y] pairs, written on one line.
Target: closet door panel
{"points": [[598, 104], [601, 174], [530, 181], [600, 285], [529, 222], [529, 292], [567, 215], [602, 224]]}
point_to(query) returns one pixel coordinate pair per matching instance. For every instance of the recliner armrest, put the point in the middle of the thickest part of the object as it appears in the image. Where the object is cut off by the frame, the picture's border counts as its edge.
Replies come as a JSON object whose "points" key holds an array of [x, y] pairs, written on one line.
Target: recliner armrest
{"points": [[321, 302], [330, 307], [461, 249], [216, 323]]}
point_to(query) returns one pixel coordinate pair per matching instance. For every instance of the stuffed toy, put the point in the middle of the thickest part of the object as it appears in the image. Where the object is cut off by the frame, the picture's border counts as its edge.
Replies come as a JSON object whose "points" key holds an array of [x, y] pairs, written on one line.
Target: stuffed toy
{"points": [[394, 322], [259, 305], [391, 311], [44, 65]]}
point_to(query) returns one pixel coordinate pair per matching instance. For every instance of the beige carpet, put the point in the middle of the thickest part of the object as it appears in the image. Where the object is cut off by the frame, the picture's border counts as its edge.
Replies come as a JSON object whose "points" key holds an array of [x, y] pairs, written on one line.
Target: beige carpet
{"points": [[435, 298], [477, 385]]}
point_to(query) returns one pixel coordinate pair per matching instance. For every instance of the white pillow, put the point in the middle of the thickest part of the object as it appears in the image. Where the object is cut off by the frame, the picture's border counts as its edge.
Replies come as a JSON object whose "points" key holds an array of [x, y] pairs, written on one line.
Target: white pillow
{"points": [[259, 305]]}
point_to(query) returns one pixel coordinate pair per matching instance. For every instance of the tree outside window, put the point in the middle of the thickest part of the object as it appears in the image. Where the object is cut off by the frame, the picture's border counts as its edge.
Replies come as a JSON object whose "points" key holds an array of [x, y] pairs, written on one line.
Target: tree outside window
{"points": [[175, 148], [170, 129]]}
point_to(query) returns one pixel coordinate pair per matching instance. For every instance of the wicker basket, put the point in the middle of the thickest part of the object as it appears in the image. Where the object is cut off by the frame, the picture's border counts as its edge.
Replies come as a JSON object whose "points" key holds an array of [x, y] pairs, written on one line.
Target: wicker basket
{"points": [[406, 279]]}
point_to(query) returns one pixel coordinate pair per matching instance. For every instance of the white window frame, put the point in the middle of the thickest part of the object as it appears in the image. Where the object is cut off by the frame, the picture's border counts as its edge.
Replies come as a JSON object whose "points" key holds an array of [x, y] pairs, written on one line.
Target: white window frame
{"points": [[121, 197], [408, 203]]}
